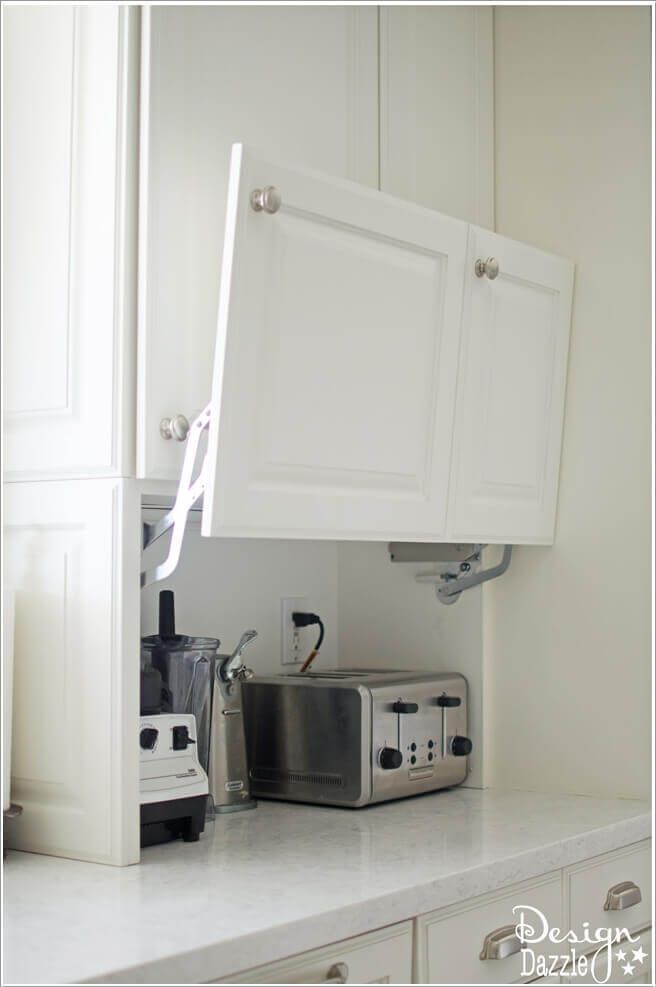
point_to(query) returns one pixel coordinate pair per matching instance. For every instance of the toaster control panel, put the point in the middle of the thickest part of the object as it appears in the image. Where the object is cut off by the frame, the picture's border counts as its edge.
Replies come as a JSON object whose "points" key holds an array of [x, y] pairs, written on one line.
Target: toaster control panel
{"points": [[419, 737]]}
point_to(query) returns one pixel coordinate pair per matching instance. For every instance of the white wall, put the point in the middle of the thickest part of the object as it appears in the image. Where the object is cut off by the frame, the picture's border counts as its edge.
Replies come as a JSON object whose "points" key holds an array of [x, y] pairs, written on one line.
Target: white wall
{"points": [[222, 587], [567, 630]]}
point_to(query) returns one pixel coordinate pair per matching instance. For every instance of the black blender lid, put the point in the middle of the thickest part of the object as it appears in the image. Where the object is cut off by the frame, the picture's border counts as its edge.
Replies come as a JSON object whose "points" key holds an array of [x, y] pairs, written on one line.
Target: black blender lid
{"points": [[167, 638]]}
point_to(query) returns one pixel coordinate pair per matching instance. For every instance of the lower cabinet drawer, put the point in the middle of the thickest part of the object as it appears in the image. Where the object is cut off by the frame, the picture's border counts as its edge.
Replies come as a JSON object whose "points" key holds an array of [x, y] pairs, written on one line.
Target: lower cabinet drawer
{"points": [[621, 880], [381, 957], [629, 963], [450, 942]]}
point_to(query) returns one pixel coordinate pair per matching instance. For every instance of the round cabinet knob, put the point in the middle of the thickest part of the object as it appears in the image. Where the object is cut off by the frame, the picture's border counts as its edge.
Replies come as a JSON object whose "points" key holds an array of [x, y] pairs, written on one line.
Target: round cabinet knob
{"points": [[461, 746], [389, 758], [267, 199], [487, 268], [174, 428]]}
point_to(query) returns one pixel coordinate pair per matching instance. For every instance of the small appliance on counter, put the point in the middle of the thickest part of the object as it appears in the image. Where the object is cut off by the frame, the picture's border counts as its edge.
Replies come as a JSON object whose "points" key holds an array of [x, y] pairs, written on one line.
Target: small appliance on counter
{"points": [[185, 675], [173, 786], [228, 767], [353, 737], [185, 665]]}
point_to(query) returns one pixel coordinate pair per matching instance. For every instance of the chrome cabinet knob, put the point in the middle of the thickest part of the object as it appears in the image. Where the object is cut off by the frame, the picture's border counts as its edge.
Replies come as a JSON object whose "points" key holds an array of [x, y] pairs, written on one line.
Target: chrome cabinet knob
{"points": [[501, 943], [487, 268], [174, 428], [622, 895], [267, 199]]}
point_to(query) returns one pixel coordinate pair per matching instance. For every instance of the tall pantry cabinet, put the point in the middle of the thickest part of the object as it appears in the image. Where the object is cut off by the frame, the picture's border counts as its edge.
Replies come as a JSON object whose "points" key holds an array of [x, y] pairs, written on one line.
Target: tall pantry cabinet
{"points": [[131, 116]]}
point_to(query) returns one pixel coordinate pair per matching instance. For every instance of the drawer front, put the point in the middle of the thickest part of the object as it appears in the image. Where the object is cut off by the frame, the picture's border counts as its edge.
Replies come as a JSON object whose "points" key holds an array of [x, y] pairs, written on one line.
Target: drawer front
{"points": [[381, 957], [633, 965], [449, 942], [588, 884]]}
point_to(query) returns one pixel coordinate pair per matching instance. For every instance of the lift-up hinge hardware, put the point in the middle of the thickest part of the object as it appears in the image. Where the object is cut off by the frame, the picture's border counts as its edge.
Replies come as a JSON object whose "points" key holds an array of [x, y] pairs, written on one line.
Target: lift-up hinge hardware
{"points": [[456, 565], [189, 491]]}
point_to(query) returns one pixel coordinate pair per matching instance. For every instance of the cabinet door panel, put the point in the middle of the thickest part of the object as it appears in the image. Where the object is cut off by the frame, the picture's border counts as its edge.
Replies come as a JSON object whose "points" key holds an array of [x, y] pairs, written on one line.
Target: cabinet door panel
{"points": [[511, 394], [335, 361], [299, 82], [69, 230], [71, 555], [436, 107]]}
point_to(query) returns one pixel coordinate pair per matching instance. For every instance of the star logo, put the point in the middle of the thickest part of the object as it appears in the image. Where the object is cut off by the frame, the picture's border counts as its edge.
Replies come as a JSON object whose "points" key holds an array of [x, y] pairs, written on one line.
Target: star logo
{"points": [[639, 955], [628, 969], [621, 955]]}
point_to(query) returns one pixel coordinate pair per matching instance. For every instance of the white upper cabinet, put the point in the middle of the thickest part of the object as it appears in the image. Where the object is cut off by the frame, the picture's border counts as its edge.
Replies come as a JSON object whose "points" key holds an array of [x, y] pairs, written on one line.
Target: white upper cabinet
{"points": [[335, 362], [436, 108], [299, 82], [511, 393], [69, 239]]}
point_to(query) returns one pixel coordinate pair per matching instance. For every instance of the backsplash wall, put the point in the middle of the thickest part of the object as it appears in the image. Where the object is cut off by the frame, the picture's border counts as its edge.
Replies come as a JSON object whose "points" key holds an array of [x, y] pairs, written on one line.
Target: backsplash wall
{"points": [[222, 587]]}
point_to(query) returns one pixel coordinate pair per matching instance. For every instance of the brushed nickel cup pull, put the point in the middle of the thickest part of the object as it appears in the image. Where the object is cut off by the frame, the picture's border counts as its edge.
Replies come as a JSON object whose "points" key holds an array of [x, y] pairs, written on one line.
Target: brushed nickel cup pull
{"points": [[487, 268], [501, 943], [622, 895], [267, 199], [176, 428], [338, 974]]}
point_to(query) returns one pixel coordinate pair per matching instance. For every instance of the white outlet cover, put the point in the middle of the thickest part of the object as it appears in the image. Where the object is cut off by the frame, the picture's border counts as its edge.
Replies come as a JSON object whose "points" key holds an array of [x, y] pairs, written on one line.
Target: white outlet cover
{"points": [[288, 655]]}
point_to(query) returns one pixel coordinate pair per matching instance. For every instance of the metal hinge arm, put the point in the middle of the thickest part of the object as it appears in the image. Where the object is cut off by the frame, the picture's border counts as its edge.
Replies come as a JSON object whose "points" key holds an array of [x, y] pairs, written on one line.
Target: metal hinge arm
{"points": [[189, 491]]}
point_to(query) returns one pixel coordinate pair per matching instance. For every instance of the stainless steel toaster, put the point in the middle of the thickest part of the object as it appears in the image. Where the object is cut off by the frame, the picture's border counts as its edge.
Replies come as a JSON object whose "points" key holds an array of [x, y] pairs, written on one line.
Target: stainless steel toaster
{"points": [[353, 737]]}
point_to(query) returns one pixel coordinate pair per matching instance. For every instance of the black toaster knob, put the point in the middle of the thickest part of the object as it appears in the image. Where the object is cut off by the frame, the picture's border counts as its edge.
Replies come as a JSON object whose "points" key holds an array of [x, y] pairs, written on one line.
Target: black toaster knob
{"points": [[448, 701], [461, 746], [390, 758], [401, 706]]}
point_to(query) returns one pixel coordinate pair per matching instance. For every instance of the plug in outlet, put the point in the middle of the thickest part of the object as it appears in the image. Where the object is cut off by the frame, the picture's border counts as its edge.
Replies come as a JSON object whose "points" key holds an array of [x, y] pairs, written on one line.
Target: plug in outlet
{"points": [[291, 643]]}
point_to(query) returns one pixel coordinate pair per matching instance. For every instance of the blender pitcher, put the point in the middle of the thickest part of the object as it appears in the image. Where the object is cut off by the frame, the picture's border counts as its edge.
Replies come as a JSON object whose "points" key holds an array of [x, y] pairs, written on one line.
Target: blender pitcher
{"points": [[186, 665]]}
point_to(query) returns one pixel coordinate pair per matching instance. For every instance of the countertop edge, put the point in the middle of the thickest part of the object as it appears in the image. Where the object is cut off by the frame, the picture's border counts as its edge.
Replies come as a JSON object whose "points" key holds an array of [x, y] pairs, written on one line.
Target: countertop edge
{"points": [[225, 957]]}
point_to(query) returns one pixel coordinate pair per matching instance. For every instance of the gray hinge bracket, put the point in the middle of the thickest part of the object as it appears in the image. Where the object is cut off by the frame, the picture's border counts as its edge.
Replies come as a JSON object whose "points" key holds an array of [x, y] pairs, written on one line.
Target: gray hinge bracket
{"points": [[456, 566]]}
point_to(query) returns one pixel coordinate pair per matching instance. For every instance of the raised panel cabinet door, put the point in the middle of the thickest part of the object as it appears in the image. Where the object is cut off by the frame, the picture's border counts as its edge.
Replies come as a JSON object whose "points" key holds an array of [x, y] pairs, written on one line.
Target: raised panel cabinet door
{"points": [[436, 107], [511, 392], [72, 561], [69, 239], [300, 83], [335, 366]]}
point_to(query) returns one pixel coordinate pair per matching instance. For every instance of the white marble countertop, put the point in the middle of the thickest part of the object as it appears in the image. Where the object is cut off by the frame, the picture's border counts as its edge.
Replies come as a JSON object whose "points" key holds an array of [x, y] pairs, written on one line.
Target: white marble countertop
{"points": [[263, 885]]}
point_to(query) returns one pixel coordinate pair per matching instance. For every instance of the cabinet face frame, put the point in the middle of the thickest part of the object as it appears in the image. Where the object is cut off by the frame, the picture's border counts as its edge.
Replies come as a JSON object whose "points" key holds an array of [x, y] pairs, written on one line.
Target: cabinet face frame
{"points": [[335, 362]]}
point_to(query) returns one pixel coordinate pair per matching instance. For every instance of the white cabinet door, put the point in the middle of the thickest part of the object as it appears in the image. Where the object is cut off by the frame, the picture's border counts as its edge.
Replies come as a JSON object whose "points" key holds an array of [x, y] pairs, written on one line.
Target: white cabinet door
{"points": [[69, 239], [298, 82], [71, 556], [511, 394], [335, 366]]}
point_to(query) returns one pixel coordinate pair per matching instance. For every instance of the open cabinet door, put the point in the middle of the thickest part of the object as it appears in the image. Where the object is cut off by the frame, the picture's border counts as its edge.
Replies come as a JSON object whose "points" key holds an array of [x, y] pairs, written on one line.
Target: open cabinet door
{"points": [[335, 363]]}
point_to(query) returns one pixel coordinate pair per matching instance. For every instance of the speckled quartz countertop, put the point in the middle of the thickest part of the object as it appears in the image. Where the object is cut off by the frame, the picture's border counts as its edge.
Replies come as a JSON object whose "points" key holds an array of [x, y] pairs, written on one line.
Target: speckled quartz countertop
{"points": [[263, 885]]}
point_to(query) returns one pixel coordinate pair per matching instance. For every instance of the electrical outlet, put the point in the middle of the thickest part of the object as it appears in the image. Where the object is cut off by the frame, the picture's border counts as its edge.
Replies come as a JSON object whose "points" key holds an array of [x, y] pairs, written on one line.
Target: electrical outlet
{"points": [[291, 639]]}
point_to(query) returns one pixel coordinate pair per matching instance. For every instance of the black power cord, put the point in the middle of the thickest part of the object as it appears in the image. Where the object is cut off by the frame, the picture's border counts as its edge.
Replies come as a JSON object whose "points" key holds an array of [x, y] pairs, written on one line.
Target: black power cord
{"points": [[302, 619]]}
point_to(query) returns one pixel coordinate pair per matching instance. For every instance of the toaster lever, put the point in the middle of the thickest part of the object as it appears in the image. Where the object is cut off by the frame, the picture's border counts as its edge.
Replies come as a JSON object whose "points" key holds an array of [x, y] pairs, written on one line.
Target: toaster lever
{"points": [[448, 701], [400, 706]]}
